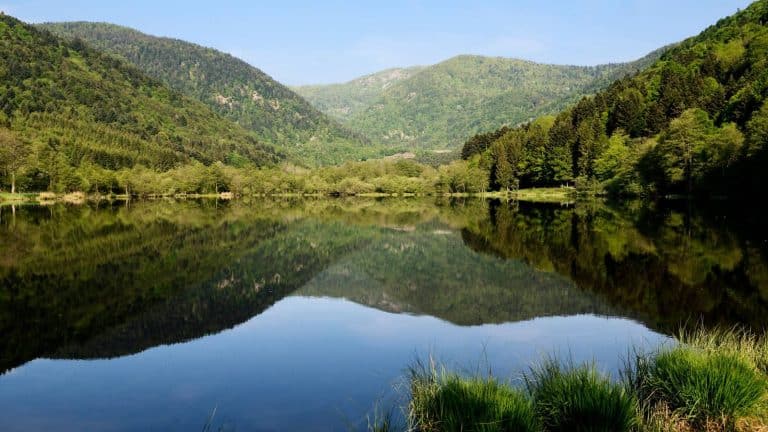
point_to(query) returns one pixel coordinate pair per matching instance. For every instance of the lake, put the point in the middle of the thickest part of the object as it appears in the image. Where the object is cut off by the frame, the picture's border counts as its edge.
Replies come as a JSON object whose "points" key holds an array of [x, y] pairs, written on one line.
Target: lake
{"points": [[303, 315]]}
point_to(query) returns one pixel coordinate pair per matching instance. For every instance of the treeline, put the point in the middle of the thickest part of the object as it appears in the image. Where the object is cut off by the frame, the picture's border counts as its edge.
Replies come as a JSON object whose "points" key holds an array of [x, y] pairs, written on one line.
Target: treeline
{"points": [[352, 178], [695, 122]]}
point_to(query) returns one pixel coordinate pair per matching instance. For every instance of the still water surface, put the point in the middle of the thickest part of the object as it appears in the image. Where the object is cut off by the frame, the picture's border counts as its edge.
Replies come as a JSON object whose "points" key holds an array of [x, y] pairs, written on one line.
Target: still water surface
{"points": [[302, 315]]}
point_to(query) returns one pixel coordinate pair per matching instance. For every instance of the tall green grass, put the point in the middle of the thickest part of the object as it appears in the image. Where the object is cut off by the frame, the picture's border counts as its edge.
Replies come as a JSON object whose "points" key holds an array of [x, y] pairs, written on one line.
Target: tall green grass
{"points": [[443, 402], [712, 380], [580, 399], [749, 346]]}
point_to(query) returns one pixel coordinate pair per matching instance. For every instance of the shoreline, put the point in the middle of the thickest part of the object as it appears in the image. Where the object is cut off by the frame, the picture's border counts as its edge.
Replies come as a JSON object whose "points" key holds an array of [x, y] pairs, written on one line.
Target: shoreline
{"points": [[551, 195]]}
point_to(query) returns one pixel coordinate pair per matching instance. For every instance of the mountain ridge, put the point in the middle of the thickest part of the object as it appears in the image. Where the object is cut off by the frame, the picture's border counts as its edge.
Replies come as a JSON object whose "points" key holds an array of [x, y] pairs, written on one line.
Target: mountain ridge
{"points": [[361, 91], [80, 115], [228, 85], [466, 95]]}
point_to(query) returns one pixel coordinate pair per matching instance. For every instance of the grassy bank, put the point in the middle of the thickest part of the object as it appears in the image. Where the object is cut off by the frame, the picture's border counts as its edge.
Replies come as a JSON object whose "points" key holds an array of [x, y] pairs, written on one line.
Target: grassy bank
{"points": [[553, 195], [709, 381]]}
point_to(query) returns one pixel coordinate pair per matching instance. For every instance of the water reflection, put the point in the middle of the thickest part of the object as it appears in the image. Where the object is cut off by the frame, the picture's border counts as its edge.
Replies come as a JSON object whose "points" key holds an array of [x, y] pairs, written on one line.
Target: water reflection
{"points": [[334, 297]]}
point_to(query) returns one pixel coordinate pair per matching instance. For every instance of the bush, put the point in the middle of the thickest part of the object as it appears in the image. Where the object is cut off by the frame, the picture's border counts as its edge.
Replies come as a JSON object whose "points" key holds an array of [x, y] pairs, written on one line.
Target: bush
{"points": [[450, 403], [353, 186], [699, 386], [580, 399]]}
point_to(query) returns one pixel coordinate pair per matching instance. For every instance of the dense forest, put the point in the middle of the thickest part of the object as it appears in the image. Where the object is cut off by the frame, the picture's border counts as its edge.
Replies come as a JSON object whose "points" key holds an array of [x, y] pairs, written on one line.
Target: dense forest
{"points": [[437, 107], [72, 117], [694, 122], [229, 86]]}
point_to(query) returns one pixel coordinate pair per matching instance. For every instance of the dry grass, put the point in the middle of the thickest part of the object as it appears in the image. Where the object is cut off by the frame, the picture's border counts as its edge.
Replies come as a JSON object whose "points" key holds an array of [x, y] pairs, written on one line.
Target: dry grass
{"points": [[749, 346], [662, 419]]}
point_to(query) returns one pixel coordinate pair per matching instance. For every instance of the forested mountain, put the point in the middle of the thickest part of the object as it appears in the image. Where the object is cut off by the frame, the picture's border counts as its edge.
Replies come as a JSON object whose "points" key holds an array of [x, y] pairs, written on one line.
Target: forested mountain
{"points": [[348, 99], [70, 114], [439, 106], [693, 122], [229, 86]]}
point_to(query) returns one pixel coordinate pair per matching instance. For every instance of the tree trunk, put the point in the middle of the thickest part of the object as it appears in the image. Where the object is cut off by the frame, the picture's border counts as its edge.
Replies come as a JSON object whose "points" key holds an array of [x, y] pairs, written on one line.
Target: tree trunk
{"points": [[13, 183]]}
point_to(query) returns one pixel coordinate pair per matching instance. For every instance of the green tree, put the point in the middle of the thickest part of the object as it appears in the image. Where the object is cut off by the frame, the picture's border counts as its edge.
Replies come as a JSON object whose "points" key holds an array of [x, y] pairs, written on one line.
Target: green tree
{"points": [[611, 162], [13, 155], [627, 113], [591, 143], [559, 159], [503, 173], [681, 147], [757, 132], [535, 150], [724, 148]]}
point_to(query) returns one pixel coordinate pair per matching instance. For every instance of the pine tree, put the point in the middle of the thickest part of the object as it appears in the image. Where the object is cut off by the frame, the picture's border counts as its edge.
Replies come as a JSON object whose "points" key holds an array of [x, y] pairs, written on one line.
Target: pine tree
{"points": [[503, 173]]}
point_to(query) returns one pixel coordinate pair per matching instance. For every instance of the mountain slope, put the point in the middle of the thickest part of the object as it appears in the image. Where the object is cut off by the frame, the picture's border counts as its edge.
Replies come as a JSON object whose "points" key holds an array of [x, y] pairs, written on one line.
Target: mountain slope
{"points": [[230, 86], [439, 106], [76, 109], [693, 122], [343, 101]]}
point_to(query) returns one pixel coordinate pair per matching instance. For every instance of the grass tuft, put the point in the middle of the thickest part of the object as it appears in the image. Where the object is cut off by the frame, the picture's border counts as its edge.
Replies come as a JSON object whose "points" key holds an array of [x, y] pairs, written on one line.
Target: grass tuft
{"points": [[580, 399], [704, 388], [442, 402], [713, 380]]}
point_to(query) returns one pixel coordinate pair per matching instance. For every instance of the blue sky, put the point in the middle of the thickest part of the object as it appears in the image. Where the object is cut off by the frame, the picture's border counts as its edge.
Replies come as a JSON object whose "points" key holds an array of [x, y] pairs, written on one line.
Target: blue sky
{"points": [[304, 42]]}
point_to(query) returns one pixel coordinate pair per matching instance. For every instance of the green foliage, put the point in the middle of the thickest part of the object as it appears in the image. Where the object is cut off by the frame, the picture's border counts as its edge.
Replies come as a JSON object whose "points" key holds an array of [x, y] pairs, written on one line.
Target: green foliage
{"points": [[346, 100], [703, 101], [384, 176], [439, 106], [503, 175], [13, 154], [757, 132], [462, 177], [449, 403], [692, 148], [481, 142], [78, 111], [701, 387], [573, 399], [230, 87], [611, 163]]}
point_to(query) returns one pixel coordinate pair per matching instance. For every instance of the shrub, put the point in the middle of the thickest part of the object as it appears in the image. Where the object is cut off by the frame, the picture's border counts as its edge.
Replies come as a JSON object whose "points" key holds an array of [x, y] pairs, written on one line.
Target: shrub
{"points": [[353, 186], [580, 399]]}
